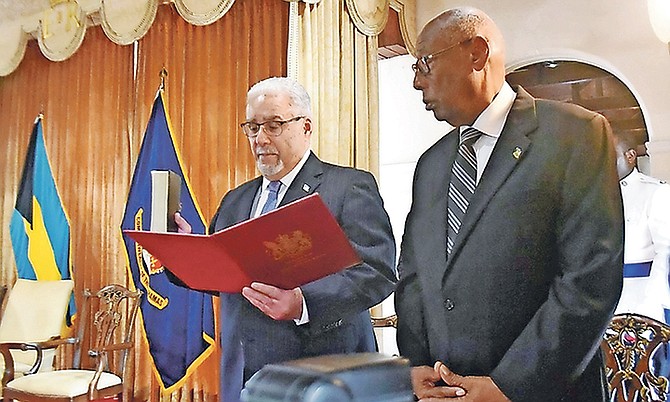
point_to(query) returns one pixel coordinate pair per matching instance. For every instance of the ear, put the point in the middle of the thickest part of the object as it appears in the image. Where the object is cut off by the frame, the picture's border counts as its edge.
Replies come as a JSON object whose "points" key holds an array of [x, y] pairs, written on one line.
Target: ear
{"points": [[307, 125], [631, 156], [480, 52]]}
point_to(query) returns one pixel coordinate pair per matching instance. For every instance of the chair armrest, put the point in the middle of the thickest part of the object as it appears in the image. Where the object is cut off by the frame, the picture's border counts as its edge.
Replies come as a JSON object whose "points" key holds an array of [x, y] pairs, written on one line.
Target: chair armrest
{"points": [[38, 347], [51, 343], [382, 322], [5, 347], [109, 348]]}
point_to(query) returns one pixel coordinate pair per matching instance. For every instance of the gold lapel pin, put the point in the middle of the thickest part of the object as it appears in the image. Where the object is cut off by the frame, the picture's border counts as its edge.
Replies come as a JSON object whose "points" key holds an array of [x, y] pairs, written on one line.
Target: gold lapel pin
{"points": [[517, 152]]}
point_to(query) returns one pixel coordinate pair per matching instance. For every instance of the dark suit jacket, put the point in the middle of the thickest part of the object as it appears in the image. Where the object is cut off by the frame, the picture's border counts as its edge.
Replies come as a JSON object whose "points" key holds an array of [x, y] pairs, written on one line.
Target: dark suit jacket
{"points": [[337, 304], [536, 270]]}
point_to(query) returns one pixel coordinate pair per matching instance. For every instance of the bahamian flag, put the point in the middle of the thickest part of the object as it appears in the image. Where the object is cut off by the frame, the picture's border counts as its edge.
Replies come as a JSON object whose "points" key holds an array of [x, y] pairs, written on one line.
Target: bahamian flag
{"points": [[39, 228], [178, 322]]}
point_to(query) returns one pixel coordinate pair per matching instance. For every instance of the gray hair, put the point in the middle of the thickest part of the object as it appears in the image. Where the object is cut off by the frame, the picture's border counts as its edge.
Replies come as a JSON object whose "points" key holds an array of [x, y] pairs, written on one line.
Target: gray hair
{"points": [[300, 100]]}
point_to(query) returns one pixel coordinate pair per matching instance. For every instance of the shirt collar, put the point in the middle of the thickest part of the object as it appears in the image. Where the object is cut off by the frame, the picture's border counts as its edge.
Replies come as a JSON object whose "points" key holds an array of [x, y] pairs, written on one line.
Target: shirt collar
{"points": [[492, 120], [634, 174], [290, 176]]}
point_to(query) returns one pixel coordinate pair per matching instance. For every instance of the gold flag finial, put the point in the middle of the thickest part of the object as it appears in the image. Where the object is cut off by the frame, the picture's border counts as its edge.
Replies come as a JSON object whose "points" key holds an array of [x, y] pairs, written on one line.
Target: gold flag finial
{"points": [[163, 74]]}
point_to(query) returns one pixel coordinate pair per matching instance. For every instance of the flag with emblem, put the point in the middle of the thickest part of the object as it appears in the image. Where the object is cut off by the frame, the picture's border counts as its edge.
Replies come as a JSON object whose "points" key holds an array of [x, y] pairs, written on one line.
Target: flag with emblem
{"points": [[39, 227], [178, 322]]}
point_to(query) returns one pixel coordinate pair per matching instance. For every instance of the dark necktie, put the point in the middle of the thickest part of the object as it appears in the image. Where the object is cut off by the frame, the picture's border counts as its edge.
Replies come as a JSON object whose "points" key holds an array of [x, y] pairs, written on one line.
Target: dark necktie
{"points": [[462, 185], [271, 202]]}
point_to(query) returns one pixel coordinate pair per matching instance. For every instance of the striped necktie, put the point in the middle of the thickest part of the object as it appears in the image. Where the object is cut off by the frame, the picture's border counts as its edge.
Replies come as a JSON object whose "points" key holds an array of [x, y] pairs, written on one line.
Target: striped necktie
{"points": [[271, 202], [462, 185]]}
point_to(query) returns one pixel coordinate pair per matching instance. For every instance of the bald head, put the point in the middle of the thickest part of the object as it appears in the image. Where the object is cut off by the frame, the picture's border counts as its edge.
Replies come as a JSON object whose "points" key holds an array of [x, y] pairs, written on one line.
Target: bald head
{"points": [[464, 80]]}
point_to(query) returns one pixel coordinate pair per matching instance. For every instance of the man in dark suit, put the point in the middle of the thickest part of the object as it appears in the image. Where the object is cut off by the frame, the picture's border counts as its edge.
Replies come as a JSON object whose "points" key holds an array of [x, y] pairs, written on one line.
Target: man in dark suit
{"points": [[508, 297], [266, 324]]}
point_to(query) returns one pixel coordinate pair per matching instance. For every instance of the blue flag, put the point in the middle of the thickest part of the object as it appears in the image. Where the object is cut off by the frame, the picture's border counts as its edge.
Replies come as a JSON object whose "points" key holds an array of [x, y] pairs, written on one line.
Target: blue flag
{"points": [[178, 322], [39, 228]]}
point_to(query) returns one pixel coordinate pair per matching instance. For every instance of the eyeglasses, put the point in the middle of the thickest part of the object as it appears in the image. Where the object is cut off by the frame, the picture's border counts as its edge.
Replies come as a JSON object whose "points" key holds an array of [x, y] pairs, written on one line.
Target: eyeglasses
{"points": [[272, 128], [422, 65]]}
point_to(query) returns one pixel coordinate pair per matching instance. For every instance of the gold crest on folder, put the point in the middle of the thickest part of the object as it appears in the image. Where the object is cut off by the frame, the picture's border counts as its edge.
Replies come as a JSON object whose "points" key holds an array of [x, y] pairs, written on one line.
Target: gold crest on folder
{"points": [[289, 246]]}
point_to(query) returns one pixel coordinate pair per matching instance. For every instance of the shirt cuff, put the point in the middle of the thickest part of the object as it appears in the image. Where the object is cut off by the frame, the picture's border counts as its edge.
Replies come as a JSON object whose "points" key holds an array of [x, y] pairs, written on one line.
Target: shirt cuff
{"points": [[304, 318]]}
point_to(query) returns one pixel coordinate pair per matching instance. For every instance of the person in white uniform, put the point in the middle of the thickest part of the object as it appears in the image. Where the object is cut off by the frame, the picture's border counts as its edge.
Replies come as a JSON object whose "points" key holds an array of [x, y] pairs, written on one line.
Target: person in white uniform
{"points": [[646, 202]]}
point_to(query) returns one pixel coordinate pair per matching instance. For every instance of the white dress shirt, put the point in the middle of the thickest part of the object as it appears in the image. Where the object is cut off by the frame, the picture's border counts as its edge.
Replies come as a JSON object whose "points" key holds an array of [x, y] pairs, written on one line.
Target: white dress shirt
{"points": [[285, 183], [490, 123]]}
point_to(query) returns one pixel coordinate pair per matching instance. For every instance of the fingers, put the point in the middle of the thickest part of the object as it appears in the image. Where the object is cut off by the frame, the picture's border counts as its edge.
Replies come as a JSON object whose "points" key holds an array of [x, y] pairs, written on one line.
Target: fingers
{"points": [[276, 303], [441, 392], [269, 290], [182, 224], [425, 379], [424, 375], [261, 300], [454, 381]]}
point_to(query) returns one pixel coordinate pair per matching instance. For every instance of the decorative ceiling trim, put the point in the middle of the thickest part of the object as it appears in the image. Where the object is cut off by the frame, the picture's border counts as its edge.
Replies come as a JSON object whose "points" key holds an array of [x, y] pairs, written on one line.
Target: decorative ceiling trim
{"points": [[369, 16], [13, 43], [304, 1], [406, 10], [201, 12], [61, 26], [61, 30], [124, 23]]}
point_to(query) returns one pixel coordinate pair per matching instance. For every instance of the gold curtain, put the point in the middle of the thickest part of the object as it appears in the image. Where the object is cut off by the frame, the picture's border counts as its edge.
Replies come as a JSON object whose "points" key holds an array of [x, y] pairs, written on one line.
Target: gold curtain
{"points": [[86, 131], [97, 105], [209, 71], [337, 63]]}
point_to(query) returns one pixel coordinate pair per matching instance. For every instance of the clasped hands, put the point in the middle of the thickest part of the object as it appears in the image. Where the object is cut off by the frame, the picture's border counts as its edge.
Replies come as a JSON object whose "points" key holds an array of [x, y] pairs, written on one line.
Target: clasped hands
{"points": [[426, 384], [276, 303]]}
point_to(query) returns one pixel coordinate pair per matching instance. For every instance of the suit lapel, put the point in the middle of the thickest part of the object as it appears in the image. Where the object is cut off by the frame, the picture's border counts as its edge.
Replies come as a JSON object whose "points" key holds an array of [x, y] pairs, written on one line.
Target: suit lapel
{"points": [[430, 224], [247, 198], [509, 150], [306, 181]]}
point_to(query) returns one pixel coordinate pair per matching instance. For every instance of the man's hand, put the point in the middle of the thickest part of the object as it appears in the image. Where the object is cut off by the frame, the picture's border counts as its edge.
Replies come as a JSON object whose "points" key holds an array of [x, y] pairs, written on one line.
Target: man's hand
{"points": [[424, 380], [182, 225], [276, 303], [477, 389]]}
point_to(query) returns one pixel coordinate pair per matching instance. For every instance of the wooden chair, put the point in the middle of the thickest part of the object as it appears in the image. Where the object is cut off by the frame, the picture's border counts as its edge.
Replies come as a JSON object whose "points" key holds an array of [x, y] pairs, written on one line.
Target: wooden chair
{"points": [[116, 309], [629, 344], [390, 321], [34, 315], [3, 292]]}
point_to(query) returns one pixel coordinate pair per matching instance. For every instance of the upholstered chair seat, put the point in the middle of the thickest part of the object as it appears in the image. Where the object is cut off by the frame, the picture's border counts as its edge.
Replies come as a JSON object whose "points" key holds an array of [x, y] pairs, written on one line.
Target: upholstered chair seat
{"points": [[63, 383]]}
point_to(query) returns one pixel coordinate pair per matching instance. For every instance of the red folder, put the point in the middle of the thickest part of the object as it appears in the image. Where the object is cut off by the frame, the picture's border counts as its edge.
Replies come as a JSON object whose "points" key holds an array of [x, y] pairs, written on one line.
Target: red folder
{"points": [[288, 247]]}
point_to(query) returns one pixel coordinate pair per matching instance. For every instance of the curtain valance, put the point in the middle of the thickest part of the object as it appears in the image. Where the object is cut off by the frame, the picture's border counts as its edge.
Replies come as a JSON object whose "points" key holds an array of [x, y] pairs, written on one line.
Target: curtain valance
{"points": [[60, 28]]}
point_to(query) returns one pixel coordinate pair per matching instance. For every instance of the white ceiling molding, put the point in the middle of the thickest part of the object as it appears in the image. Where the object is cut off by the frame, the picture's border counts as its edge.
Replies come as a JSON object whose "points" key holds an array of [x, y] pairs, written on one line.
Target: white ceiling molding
{"points": [[125, 21], [61, 30], [202, 12], [406, 10], [12, 46], [369, 16], [60, 25], [304, 1]]}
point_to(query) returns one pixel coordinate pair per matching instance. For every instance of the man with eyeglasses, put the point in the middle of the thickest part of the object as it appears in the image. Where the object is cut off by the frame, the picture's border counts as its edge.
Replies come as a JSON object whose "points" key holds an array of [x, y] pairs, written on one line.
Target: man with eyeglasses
{"points": [[266, 324], [511, 262]]}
